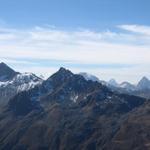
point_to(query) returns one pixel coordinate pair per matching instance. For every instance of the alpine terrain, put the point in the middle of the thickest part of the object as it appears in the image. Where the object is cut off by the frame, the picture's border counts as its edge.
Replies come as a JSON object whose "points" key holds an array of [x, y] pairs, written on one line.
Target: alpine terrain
{"points": [[69, 112]]}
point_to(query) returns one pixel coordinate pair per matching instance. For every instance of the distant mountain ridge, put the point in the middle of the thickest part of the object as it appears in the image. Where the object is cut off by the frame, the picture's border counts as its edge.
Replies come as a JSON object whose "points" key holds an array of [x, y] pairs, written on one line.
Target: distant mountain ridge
{"points": [[12, 82], [7, 73], [143, 86]]}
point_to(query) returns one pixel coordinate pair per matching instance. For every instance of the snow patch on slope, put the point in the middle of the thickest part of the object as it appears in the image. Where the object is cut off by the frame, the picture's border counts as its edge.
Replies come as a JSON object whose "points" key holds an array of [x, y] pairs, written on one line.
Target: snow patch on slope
{"points": [[22, 82]]}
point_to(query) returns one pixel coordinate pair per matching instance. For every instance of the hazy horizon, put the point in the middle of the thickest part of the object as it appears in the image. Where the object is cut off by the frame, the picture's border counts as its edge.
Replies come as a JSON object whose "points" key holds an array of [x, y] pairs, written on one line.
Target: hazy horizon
{"points": [[104, 38]]}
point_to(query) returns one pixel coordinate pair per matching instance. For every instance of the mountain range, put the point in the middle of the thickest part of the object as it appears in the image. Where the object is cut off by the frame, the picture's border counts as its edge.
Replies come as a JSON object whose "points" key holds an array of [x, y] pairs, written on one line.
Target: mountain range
{"points": [[143, 84], [70, 112], [142, 88]]}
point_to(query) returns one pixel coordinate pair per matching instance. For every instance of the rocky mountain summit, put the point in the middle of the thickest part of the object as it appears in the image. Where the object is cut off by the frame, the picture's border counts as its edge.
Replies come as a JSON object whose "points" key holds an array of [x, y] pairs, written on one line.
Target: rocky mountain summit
{"points": [[12, 82], [6, 73]]}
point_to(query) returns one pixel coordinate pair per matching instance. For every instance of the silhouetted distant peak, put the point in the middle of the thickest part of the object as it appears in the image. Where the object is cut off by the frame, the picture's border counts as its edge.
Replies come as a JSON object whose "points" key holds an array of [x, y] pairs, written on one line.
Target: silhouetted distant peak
{"points": [[113, 82], [64, 70], [6, 73], [5, 66], [144, 83], [2, 64], [144, 79]]}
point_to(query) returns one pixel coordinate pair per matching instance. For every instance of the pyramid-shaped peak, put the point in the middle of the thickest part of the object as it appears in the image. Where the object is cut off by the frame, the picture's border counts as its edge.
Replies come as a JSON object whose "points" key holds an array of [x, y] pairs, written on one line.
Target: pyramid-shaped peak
{"points": [[144, 83], [62, 73], [63, 70], [3, 64], [144, 79], [6, 73], [4, 67]]}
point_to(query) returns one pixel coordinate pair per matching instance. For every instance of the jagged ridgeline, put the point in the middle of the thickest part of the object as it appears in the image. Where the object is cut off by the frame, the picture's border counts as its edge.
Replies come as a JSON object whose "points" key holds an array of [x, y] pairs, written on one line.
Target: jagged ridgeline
{"points": [[70, 112]]}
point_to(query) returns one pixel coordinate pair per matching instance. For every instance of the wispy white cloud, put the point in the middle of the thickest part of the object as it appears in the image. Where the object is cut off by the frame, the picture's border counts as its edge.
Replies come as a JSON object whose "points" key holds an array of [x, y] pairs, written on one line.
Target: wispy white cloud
{"points": [[81, 47], [137, 29]]}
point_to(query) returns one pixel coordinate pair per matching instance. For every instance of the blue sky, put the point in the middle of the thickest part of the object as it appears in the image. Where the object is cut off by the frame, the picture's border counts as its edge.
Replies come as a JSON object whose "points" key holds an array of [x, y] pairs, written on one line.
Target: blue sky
{"points": [[108, 38], [95, 14]]}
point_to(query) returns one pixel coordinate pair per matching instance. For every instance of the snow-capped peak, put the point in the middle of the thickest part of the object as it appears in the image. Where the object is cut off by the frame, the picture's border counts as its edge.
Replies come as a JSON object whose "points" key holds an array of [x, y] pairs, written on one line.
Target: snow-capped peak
{"points": [[22, 81], [88, 76]]}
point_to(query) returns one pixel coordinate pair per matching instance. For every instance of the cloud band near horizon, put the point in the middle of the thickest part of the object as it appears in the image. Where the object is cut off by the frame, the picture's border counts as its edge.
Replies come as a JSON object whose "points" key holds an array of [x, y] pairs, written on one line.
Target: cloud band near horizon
{"points": [[123, 54]]}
